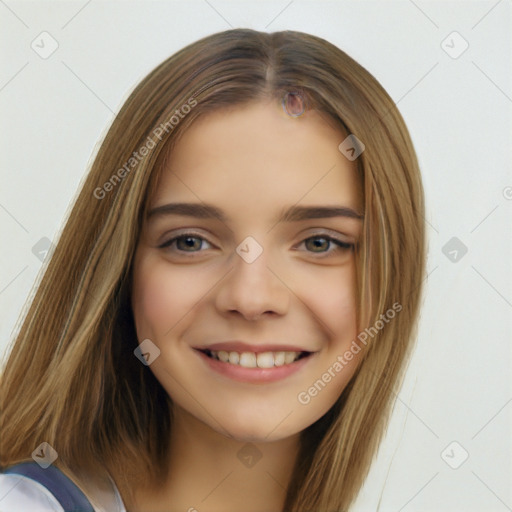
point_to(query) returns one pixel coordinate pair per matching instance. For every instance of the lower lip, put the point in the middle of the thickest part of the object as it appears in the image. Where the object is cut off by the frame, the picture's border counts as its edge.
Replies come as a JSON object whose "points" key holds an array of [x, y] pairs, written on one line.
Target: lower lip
{"points": [[254, 375]]}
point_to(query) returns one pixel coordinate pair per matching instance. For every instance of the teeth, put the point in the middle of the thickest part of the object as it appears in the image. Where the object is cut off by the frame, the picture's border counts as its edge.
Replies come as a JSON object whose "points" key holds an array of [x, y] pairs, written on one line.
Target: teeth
{"points": [[289, 357], [279, 358], [253, 360], [248, 359], [223, 356], [265, 360]]}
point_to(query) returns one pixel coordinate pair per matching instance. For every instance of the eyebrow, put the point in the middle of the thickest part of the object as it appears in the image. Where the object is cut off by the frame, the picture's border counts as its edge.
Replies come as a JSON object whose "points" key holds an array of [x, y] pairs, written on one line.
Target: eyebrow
{"points": [[291, 214]]}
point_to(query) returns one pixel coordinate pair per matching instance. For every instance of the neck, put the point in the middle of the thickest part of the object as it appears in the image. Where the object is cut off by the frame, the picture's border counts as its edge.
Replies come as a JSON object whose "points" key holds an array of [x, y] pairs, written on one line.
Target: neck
{"points": [[209, 471]]}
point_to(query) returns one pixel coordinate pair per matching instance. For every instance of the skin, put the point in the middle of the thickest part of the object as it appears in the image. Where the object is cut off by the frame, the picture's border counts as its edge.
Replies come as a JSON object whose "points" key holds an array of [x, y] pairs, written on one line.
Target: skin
{"points": [[252, 162]]}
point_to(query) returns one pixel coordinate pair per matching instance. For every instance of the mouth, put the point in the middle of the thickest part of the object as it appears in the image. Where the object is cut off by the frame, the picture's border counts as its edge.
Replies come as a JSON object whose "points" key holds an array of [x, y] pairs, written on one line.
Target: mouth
{"points": [[255, 367], [269, 359]]}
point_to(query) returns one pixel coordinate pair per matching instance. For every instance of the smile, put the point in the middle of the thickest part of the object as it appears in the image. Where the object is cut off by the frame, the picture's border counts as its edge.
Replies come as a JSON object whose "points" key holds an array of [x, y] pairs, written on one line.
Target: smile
{"points": [[256, 360], [252, 367]]}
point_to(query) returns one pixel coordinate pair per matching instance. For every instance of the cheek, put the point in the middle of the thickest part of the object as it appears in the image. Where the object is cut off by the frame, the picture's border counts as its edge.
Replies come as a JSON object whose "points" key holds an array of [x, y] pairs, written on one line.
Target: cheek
{"points": [[161, 296], [340, 311], [332, 298]]}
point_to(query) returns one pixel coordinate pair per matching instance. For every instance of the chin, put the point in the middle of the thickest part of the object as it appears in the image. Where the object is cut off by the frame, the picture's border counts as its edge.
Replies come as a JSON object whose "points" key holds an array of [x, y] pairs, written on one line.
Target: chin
{"points": [[254, 436], [271, 429], [249, 432]]}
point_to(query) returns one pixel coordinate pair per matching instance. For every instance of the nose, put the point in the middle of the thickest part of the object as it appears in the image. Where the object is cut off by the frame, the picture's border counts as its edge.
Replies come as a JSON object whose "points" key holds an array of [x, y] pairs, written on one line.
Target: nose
{"points": [[252, 290]]}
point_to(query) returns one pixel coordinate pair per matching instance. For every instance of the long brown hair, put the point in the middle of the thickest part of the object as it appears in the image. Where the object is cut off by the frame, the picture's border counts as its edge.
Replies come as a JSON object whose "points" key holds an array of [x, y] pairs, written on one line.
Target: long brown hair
{"points": [[71, 378]]}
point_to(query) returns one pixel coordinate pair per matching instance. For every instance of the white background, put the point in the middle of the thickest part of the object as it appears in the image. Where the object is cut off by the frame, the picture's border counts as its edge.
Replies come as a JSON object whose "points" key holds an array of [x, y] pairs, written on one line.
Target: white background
{"points": [[458, 387]]}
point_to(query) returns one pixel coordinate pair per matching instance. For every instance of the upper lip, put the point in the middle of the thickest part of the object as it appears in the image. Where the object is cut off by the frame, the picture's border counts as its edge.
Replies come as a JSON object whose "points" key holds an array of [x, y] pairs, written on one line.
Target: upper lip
{"points": [[240, 346]]}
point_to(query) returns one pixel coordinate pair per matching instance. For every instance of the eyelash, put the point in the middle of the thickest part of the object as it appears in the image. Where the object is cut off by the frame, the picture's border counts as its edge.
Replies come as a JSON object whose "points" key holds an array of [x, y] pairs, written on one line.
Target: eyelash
{"points": [[341, 245]]}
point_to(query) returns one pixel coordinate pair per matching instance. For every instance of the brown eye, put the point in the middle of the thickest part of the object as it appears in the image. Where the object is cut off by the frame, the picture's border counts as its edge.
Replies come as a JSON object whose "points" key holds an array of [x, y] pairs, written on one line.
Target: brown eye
{"points": [[318, 244], [323, 244], [187, 243]]}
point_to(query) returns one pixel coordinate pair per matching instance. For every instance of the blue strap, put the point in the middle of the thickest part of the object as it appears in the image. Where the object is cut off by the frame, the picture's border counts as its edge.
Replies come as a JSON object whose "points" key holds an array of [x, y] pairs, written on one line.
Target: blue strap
{"points": [[71, 498]]}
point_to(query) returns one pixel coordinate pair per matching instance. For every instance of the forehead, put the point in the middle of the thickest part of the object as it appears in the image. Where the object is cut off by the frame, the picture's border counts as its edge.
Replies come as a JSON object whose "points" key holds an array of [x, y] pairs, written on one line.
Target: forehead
{"points": [[255, 156]]}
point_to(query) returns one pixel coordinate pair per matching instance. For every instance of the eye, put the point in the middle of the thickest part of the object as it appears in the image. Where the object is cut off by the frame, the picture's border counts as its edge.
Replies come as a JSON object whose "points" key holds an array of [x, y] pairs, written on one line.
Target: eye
{"points": [[324, 244], [187, 242]]}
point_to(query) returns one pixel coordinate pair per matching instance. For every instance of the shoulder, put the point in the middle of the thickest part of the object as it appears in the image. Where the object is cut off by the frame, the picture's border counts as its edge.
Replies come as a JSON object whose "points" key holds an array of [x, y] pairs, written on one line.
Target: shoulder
{"points": [[18, 492]]}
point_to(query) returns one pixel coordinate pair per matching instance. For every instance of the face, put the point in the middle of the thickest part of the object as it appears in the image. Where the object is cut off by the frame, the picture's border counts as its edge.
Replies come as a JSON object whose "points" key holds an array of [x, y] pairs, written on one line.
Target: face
{"points": [[244, 275]]}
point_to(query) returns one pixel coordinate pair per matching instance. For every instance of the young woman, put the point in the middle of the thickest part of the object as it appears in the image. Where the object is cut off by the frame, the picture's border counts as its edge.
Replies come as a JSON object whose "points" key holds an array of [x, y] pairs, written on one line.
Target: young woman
{"points": [[232, 301]]}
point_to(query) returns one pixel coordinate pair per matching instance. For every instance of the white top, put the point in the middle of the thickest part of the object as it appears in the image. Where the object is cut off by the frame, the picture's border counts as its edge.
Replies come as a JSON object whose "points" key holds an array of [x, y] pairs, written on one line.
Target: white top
{"points": [[18, 492]]}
